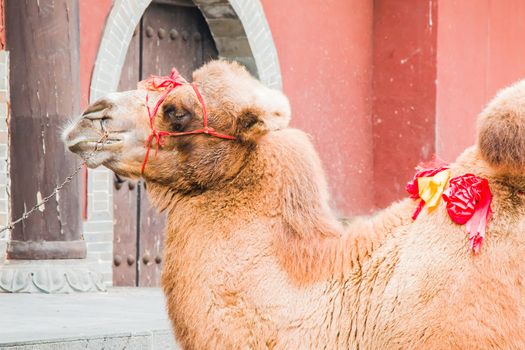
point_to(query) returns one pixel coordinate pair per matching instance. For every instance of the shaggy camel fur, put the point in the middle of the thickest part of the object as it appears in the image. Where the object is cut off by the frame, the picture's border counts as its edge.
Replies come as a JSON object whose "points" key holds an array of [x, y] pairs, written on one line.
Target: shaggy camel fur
{"points": [[254, 258]]}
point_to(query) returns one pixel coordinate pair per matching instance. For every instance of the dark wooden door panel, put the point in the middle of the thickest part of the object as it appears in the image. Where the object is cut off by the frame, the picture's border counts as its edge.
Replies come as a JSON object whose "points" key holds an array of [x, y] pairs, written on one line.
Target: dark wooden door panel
{"points": [[170, 36], [125, 191], [152, 226], [174, 37]]}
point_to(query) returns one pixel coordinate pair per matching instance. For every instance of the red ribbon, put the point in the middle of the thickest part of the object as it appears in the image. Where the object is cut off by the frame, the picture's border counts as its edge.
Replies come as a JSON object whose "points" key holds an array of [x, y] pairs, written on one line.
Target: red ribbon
{"points": [[468, 202], [468, 199], [168, 84]]}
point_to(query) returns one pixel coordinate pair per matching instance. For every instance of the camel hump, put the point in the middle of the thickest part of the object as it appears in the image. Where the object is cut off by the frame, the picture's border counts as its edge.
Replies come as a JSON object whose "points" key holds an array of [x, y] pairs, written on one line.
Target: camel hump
{"points": [[501, 130]]}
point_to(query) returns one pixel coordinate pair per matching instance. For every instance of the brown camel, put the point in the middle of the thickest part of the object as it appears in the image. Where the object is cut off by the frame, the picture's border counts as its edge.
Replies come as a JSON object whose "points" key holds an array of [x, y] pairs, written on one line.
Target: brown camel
{"points": [[254, 258]]}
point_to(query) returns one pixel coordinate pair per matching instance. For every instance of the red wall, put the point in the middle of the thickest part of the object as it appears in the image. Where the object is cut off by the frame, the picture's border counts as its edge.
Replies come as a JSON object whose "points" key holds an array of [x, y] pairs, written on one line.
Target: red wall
{"points": [[404, 92], [325, 50], [93, 15]]}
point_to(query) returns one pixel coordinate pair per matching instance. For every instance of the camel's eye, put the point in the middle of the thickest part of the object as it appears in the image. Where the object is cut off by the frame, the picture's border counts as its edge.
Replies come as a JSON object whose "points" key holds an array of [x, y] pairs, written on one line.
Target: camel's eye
{"points": [[177, 118]]}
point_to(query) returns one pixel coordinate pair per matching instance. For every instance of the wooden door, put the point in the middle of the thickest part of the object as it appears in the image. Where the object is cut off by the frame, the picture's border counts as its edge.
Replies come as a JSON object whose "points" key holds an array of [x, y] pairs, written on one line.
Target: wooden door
{"points": [[168, 36]]}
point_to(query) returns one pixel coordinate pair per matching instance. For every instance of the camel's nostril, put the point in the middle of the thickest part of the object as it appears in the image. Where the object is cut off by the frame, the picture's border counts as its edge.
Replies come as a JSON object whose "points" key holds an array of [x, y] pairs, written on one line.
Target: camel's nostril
{"points": [[93, 116], [94, 111], [104, 123]]}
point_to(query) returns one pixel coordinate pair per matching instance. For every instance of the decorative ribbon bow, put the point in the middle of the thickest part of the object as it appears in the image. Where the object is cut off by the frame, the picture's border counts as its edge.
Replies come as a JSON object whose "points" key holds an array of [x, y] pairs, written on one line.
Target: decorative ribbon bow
{"points": [[431, 187], [428, 185], [468, 199], [167, 84]]}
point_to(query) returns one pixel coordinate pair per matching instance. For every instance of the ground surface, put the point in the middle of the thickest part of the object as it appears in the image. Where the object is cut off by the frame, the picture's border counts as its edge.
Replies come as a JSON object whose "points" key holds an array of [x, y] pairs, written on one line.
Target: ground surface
{"points": [[123, 318]]}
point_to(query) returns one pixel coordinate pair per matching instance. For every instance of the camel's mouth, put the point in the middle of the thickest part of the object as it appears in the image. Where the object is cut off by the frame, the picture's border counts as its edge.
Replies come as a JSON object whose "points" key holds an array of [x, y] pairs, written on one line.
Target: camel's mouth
{"points": [[93, 140], [94, 147], [83, 144]]}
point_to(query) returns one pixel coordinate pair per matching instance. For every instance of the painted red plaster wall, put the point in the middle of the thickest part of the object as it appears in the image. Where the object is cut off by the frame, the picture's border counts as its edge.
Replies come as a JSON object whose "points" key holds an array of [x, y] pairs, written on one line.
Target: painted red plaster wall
{"points": [[93, 14], [404, 93], [325, 52], [480, 50]]}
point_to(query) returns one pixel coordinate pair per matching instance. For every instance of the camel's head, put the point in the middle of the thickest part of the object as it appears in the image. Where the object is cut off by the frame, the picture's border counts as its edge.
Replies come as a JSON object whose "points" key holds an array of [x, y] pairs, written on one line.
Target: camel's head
{"points": [[237, 105]]}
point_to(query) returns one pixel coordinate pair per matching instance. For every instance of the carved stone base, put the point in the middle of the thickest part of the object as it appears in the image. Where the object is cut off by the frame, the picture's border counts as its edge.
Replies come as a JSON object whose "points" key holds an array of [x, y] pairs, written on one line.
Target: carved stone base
{"points": [[48, 276]]}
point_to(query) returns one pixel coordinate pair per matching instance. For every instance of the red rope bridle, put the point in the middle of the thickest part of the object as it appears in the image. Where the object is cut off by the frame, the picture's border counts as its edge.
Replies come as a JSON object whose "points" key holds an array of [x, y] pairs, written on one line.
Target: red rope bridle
{"points": [[167, 84]]}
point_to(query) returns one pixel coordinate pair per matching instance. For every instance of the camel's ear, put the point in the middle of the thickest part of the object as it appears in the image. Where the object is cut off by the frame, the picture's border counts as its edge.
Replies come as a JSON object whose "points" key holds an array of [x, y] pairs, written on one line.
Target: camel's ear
{"points": [[251, 124], [270, 112]]}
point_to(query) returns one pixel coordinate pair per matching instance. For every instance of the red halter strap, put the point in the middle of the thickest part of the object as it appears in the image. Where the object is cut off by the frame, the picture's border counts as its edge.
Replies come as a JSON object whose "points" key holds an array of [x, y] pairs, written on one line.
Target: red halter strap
{"points": [[168, 84]]}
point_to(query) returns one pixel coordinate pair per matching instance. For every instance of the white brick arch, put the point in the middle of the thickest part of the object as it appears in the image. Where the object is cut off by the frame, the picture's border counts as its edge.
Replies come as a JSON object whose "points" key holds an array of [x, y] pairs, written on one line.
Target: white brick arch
{"points": [[239, 28], [241, 33]]}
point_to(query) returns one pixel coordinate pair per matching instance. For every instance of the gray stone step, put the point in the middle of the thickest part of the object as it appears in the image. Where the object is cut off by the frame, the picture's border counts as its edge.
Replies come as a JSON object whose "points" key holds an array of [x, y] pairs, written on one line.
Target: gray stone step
{"points": [[122, 318]]}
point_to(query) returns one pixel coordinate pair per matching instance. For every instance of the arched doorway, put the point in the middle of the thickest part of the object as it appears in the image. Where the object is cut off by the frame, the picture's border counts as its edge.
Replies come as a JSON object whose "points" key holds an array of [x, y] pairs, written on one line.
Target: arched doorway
{"points": [[240, 32], [168, 35]]}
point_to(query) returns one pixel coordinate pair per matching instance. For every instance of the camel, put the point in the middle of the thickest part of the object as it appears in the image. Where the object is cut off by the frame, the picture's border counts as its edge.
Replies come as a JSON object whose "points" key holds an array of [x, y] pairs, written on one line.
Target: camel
{"points": [[254, 256]]}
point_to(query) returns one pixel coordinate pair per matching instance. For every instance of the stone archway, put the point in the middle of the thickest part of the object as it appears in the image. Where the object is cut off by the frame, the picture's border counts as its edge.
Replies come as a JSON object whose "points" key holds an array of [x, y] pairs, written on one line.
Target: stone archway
{"points": [[239, 28], [240, 32]]}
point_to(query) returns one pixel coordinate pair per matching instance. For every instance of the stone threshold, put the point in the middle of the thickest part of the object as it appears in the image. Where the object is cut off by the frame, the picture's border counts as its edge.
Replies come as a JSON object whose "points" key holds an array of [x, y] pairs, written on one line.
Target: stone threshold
{"points": [[159, 339], [122, 318]]}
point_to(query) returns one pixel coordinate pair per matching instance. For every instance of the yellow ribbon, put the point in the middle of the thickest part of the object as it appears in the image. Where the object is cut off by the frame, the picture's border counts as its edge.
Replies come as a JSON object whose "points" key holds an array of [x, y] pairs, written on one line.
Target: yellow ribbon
{"points": [[431, 188]]}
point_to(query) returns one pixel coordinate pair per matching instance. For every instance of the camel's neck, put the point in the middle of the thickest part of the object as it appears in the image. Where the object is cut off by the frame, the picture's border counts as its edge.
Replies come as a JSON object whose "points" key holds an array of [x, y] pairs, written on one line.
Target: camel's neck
{"points": [[311, 244], [283, 188]]}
